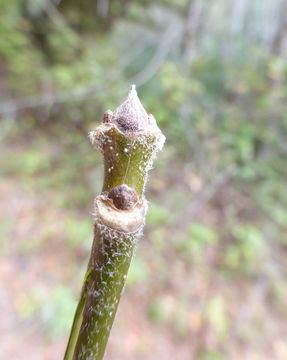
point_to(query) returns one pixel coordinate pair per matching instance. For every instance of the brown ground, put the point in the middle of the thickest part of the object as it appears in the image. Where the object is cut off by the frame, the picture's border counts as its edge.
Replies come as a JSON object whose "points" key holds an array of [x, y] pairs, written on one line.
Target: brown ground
{"points": [[204, 309]]}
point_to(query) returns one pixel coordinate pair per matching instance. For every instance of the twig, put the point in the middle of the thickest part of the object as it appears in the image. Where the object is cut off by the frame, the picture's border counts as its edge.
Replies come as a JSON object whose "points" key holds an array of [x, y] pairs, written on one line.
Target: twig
{"points": [[128, 140], [164, 46]]}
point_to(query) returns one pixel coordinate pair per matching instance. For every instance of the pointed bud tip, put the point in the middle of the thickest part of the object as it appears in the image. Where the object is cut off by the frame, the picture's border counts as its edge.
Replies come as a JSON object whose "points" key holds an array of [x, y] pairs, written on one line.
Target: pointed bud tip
{"points": [[130, 116], [132, 88]]}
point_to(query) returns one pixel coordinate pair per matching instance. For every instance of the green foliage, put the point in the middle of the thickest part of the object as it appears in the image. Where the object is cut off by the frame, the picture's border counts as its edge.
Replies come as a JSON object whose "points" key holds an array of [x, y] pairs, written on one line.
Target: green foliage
{"points": [[28, 304], [210, 355], [157, 215], [180, 321], [77, 231], [28, 163], [248, 250], [54, 310], [217, 318], [158, 238], [197, 239], [57, 312], [6, 228], [138, 272], [161, 309], [202, 235]]}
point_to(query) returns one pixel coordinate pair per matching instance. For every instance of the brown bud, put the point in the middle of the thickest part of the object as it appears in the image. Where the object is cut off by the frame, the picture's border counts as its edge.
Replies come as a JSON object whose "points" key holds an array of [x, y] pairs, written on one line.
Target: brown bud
{"points": [[127, 124], [124, 197], [131, 116]]}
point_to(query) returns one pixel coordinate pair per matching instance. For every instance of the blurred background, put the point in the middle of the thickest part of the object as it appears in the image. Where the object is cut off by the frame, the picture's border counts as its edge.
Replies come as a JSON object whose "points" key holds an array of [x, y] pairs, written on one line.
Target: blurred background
{"points": [[209, 278]]}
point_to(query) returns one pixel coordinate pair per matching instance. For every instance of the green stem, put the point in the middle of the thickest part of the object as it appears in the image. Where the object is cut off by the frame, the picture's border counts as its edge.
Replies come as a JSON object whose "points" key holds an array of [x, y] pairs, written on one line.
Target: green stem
{"points": [[78, 318], [128, 140], [110, 263]]}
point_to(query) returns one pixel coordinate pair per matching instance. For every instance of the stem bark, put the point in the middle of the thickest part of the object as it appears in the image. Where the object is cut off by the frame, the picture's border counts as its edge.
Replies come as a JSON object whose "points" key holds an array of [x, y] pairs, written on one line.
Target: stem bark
{"points": [[128, 140]]}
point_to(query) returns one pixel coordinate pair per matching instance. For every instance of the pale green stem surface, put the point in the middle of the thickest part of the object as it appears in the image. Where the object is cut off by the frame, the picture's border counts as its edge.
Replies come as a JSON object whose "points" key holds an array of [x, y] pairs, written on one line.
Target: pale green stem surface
{"points": [[127, 159]]}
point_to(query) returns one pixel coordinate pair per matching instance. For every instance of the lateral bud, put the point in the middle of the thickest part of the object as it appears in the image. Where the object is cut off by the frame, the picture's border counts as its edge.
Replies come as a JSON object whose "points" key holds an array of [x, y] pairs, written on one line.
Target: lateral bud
{"points": [[130, 220], [124, 197]]}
